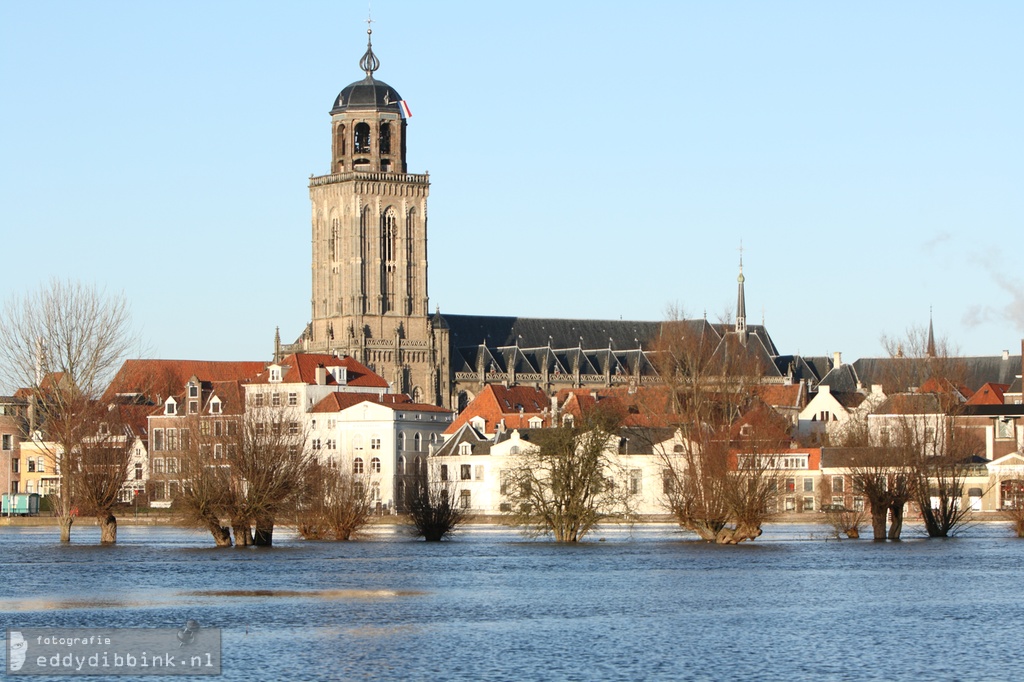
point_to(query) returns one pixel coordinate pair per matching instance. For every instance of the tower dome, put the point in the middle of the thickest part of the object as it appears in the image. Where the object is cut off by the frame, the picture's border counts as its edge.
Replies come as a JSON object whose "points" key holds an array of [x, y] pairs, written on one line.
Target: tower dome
{"points": [[368, 123]]}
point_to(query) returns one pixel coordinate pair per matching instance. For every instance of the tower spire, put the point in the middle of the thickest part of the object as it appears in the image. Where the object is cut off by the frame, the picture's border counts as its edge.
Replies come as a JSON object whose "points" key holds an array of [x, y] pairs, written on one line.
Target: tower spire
{"points": [[741, 303], [931, 335], [369, 62]]}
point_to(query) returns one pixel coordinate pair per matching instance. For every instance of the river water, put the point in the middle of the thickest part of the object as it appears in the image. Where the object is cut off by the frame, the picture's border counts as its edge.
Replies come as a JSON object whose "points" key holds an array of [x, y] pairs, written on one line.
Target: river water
{"points": [[646, 604]]}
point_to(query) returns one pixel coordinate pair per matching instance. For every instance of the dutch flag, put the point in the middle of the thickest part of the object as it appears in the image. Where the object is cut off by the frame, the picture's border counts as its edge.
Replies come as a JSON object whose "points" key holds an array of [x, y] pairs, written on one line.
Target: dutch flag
{"points": [[404, 108]]}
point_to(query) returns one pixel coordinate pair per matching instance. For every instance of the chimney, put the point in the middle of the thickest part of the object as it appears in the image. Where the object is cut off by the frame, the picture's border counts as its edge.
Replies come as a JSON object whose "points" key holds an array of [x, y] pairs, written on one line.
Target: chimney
{"points": [[837, 359], [321, 375], [554, 410], [1006, 355]]}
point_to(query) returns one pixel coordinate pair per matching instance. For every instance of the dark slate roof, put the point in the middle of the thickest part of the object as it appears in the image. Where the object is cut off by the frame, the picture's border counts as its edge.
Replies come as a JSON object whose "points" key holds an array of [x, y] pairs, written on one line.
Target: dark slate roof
{"points": [[367, 94], [842, 379], [530, 332], [809, 370], [977, 371]]}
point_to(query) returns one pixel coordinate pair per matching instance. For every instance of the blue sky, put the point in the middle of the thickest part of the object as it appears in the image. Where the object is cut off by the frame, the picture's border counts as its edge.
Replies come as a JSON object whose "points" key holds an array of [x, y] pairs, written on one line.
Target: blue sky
{"points": [[597, 160]]}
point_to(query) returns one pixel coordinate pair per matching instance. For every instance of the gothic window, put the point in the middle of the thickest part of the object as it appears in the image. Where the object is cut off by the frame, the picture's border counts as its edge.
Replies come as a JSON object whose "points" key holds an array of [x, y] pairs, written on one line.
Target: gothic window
{"points": [[332, 245], [340, 145], [361, 141], [410, 261], [385, 138], [388, 228]]}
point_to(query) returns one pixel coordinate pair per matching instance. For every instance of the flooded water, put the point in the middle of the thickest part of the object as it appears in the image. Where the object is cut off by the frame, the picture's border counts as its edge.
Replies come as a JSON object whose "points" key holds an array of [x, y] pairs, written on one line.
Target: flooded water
{"points": [[647, 604]]}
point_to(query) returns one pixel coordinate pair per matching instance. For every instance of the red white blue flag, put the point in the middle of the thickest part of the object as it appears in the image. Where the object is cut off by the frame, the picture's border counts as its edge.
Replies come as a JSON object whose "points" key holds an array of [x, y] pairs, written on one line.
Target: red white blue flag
{"points": [[404, 108]]}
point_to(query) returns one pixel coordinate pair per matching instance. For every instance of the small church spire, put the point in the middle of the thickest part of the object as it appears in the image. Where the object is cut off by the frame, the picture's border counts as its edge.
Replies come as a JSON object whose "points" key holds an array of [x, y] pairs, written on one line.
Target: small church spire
{"points": [[741, 303], [369, 62], [931, 335]]}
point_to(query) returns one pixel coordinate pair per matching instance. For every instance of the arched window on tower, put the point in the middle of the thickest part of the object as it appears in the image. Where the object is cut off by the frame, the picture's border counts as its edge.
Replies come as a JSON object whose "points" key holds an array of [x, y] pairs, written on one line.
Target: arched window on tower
{"points": [[340, 140], [410, 261], [361, 140], [364, 248], [385, 138], [388, 228]]}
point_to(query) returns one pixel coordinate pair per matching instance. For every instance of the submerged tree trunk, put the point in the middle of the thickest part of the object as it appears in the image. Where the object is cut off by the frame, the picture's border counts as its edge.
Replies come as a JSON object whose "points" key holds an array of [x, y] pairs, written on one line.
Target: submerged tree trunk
{"points": [[734, 536], [243, 535], [896, 525], [108, 528], [264, 535], [878, 516], [221, 534], [65, 528]]}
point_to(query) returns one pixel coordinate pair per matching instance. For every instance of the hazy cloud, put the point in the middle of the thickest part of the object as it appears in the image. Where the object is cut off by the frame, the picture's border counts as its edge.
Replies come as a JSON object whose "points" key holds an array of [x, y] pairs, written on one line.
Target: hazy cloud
{"points": [[1012, 312], [935, 240]]}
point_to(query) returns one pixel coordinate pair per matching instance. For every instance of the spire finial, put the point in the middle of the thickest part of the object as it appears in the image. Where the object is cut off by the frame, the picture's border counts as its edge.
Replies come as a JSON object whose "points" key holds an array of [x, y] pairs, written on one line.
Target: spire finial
{"points": [[369, 63]]}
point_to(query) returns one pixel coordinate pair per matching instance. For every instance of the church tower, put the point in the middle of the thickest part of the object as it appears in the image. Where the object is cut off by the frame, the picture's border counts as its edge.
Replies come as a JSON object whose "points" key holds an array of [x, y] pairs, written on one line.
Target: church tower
{"points": [[370, 240]]}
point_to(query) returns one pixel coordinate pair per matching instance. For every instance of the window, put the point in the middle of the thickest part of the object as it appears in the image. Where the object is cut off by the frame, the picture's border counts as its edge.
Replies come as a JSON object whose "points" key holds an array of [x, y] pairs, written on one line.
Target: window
{"points": [[635, 481], [837, 501], [184, 439], [293, 399], [204, 428], [401, 465], [331, 444], [275, 374], [1004, 428], [8, 441], [172, 465], [790, 485], [170, 407], [466, 472], [790, 504], [257, 400], [218, 428], [158, 465], [375, 492], [375, 465], [104, 430], [465, 449], [838, 484], [514, 450], [375, 443], [218, 451], [193, 406], [478, 472], [172, 439], [357, 442], [158, 440], [419, 467], [464, 499], [232, 428], [31, 465], [808, 485], [138, 471], [293, 428], [808, 504], [275, 399], [794, 462], [444, 471], [357, 465], [401, 440], [193, 391], [39, 465], [858, 503], [215, 406], [315, 444], [361, 138], [503, 481], [667, 482], [417, 443]]}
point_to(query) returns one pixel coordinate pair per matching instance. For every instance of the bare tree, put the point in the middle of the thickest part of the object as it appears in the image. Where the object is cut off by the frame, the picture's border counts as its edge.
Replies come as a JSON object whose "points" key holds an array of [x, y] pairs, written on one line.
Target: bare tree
{"points": [[710, 488], [571, 480], [101, 469], [335, 503], [268, 459], [433, 511], [64, 342], [206, 491]]}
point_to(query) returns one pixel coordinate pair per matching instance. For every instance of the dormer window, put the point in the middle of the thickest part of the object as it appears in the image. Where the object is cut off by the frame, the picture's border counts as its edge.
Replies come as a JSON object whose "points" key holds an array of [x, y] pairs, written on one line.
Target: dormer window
{"points": [[340, 375], [478, 423], [275, 374], [215, 406], [536, 422], [465, 449], [170, 407], [193, 391]]}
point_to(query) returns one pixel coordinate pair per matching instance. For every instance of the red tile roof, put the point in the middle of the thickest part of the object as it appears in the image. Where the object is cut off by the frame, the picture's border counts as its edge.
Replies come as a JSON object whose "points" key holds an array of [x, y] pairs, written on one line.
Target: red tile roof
{"points": [[989, 394], [157, 379], [335, 402], [300, 368], [496, 402]]}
